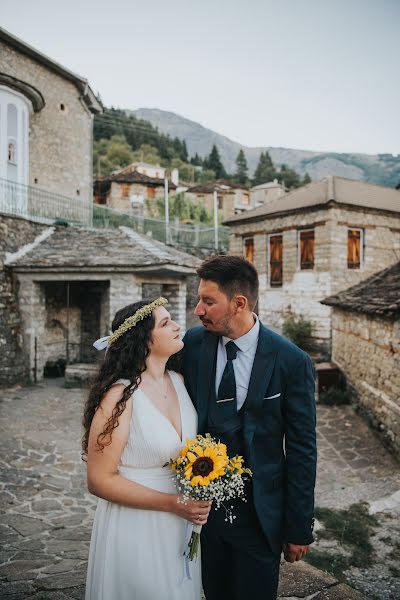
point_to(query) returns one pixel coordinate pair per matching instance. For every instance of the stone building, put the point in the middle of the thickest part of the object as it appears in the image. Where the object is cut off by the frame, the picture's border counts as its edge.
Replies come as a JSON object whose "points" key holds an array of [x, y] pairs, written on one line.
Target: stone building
{"points": [[232, 198], [46, 120], [65, 285], [366, 346], [266, 193], [131, 192], [314, 242]]}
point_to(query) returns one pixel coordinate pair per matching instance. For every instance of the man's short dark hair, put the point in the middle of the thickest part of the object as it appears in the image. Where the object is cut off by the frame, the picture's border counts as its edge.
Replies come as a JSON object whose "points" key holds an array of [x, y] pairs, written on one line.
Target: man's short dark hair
{"points": [[233, 274]]}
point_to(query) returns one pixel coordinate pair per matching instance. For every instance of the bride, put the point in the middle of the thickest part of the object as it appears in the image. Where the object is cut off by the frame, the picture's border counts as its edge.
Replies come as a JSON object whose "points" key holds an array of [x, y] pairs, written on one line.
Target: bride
{"points": [[137, 417]]}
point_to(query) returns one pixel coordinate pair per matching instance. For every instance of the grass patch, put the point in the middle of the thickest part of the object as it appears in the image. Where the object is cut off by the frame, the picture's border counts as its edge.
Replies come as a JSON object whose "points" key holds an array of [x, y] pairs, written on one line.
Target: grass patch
{"points": [[334, 564], [352, 529]]}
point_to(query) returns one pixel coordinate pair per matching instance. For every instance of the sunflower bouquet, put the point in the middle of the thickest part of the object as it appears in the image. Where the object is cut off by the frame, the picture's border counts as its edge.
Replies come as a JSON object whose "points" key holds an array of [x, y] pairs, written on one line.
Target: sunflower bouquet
{"points": [[205, 472]]}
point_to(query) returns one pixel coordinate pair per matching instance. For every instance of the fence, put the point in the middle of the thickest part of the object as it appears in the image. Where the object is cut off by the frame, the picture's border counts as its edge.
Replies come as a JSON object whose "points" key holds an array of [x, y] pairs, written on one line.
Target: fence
{"points": [[47, 207], [178, 234]]}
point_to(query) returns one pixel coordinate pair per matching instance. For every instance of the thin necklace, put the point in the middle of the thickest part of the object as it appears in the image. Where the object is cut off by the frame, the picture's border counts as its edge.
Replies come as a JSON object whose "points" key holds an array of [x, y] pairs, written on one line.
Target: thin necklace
{"points": [[161, 385]]}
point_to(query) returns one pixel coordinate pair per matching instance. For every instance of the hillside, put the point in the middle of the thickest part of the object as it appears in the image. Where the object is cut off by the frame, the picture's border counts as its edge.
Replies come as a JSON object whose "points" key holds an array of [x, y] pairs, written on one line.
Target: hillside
{"points": [[383, 169]]}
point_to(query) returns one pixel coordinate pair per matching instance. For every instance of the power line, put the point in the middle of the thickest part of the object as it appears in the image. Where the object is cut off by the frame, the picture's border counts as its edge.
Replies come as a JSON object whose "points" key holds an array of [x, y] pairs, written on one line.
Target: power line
{"points": [[120, 121]]}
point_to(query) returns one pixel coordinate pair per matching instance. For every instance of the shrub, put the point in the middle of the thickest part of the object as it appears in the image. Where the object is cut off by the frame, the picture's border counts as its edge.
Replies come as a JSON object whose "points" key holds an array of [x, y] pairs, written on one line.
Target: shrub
{"points": [[299, 331], [334, 397]]}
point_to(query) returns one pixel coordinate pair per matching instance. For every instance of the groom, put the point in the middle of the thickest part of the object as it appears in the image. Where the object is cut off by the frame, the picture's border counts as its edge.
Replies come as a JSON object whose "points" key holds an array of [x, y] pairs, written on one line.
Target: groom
{"points": [[253, 390]]}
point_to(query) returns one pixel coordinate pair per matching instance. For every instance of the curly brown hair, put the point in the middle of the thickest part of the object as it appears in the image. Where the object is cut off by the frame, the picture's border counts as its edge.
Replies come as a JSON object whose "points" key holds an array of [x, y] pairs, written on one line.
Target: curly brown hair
{"points": [[124, 359]]}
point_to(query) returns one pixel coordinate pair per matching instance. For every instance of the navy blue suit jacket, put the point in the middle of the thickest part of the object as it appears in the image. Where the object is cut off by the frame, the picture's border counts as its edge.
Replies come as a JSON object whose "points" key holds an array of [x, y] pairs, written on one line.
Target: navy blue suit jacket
{"points": [[279, 428]]}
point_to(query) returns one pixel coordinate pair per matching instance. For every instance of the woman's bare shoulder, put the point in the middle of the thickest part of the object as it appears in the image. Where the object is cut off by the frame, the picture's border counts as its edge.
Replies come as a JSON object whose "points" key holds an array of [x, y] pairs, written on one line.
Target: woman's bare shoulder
{"points": [[112, 397]]}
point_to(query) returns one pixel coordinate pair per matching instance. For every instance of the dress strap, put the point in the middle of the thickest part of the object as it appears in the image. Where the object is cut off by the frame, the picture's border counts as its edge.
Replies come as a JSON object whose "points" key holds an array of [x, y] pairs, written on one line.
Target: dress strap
{"points": [[124, 382]]}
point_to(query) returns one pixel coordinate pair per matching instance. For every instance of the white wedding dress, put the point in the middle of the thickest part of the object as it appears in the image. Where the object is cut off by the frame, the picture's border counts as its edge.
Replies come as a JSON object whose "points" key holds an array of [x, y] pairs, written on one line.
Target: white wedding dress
{"points": [[137, 554]]}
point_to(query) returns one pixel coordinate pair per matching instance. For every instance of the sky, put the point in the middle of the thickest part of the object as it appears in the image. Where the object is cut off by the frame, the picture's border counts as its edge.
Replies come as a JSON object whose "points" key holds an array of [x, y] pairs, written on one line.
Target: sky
{"points": [[307, 74]]}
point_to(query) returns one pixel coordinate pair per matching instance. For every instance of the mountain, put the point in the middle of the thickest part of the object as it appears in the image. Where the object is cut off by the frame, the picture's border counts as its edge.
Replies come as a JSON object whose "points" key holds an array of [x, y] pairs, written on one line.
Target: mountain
{"points": [[383, 169]]}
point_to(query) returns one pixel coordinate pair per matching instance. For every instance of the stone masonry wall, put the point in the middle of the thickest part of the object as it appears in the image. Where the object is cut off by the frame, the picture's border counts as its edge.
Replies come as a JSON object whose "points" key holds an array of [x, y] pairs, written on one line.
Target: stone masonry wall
{"points": [[302, 290], [14, 233], [368, 351], [381, 244], [60, 141]]}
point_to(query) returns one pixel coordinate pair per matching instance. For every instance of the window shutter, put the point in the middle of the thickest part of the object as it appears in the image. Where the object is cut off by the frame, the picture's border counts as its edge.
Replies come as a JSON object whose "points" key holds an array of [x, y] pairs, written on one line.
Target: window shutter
{"points": [[275, 260], [307, 249], [354, 249], [249, 249]]}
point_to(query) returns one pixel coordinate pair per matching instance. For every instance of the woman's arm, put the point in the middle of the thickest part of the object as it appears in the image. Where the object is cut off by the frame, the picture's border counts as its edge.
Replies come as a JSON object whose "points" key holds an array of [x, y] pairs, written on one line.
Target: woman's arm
{"points": [[104, 480]]}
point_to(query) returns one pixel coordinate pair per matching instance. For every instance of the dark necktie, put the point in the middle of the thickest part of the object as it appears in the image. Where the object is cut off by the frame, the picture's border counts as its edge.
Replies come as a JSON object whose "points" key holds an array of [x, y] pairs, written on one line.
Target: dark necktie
{"points": [[226, 399]]}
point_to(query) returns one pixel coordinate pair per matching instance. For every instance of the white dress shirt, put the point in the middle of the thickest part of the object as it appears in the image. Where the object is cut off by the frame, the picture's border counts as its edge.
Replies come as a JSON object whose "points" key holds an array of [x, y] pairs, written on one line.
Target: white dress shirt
{"points": [[243, 363]]}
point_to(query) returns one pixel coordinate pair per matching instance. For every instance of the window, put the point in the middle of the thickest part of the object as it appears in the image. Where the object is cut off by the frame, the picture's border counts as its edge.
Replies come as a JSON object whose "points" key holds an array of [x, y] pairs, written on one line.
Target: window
{"points": [[12, 154], [151, 193], [275, 260], [220, 203], [125, 189], [248, 248], [14, 150], [306, 249], [355, 241]]}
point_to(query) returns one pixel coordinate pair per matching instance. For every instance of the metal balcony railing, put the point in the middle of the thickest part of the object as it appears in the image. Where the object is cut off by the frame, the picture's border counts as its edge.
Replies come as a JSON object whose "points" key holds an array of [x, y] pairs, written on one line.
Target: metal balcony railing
{"points": [[44, 206]]}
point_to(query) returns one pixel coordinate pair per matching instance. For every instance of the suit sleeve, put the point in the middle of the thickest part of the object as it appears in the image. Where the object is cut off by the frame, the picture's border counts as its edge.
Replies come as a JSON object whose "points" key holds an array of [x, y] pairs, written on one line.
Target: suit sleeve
{"points": [[301, 453], [185, 362]]}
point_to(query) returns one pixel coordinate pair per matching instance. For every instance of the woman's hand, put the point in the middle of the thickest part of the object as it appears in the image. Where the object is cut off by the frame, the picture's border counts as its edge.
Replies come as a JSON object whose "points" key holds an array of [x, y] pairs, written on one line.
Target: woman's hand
{"points": [[195, 511]]}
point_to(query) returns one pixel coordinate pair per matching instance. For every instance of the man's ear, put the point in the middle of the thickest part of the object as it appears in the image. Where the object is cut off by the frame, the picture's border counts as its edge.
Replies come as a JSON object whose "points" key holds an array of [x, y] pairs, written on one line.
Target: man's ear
{"points": [[241, 303]]}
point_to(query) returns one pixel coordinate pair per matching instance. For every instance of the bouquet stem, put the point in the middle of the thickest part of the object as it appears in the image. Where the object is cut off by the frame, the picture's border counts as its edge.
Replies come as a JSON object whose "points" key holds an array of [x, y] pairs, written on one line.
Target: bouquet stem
{"points": [[194, 543]]}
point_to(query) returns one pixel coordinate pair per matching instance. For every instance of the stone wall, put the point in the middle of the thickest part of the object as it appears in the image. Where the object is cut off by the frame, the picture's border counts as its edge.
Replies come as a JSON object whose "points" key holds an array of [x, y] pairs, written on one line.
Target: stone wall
{"points": [[302, 290], [367, 349], [121, 201], [14, 233], [60, 135]]}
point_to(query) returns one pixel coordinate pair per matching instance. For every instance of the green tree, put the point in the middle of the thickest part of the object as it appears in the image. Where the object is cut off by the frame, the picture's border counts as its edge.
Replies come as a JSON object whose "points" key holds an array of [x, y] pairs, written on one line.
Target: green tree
{"points": [[147, 153], [205, 175], [184, 152], [289, 177], [214, 163], [241, 168], [306, 179], [196, 160], [265, 170], [111, 155]]}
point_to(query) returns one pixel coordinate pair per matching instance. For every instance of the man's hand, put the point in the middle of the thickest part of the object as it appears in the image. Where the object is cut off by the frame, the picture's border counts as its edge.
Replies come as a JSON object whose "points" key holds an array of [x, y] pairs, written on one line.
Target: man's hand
{"points": [[293, 552]]}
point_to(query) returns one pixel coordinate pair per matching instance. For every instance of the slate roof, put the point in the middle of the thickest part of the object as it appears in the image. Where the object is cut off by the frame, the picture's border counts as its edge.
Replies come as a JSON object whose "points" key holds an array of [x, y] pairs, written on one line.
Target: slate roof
{"points": [[72, 248], [320, 193], [132, 177], [221, 185], [378, 295], [136, 177]]}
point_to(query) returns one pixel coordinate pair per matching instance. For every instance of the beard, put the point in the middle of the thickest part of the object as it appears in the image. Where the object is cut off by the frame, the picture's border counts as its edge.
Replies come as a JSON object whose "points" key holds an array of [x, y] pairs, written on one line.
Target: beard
{"points": [[222, 327]]}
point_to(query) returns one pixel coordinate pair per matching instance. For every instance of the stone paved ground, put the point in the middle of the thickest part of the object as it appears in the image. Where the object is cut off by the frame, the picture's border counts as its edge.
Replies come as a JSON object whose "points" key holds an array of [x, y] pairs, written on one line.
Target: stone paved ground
{"points": [[47, 513]]}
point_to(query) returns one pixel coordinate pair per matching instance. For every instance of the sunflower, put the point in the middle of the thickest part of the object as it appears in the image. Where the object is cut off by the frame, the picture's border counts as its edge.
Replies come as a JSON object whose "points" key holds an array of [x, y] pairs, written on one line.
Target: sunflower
{"points": [[205, 465]]}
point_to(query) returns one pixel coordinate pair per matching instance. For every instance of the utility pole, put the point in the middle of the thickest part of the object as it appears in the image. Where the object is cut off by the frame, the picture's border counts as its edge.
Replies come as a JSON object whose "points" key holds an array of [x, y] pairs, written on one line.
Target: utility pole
{"points": [[166, 210], [216, 220]]}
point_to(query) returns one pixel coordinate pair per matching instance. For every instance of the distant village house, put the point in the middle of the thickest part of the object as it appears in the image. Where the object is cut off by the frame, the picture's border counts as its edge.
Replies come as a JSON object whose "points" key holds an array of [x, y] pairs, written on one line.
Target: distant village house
{"points": [[232, 198], [132, 190], [314, 242]]}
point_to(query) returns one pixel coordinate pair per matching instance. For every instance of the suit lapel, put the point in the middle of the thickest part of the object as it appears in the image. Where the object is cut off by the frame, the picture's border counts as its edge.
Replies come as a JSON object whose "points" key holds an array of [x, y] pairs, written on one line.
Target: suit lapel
{"points": [[208, 356], [263, 366]]}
